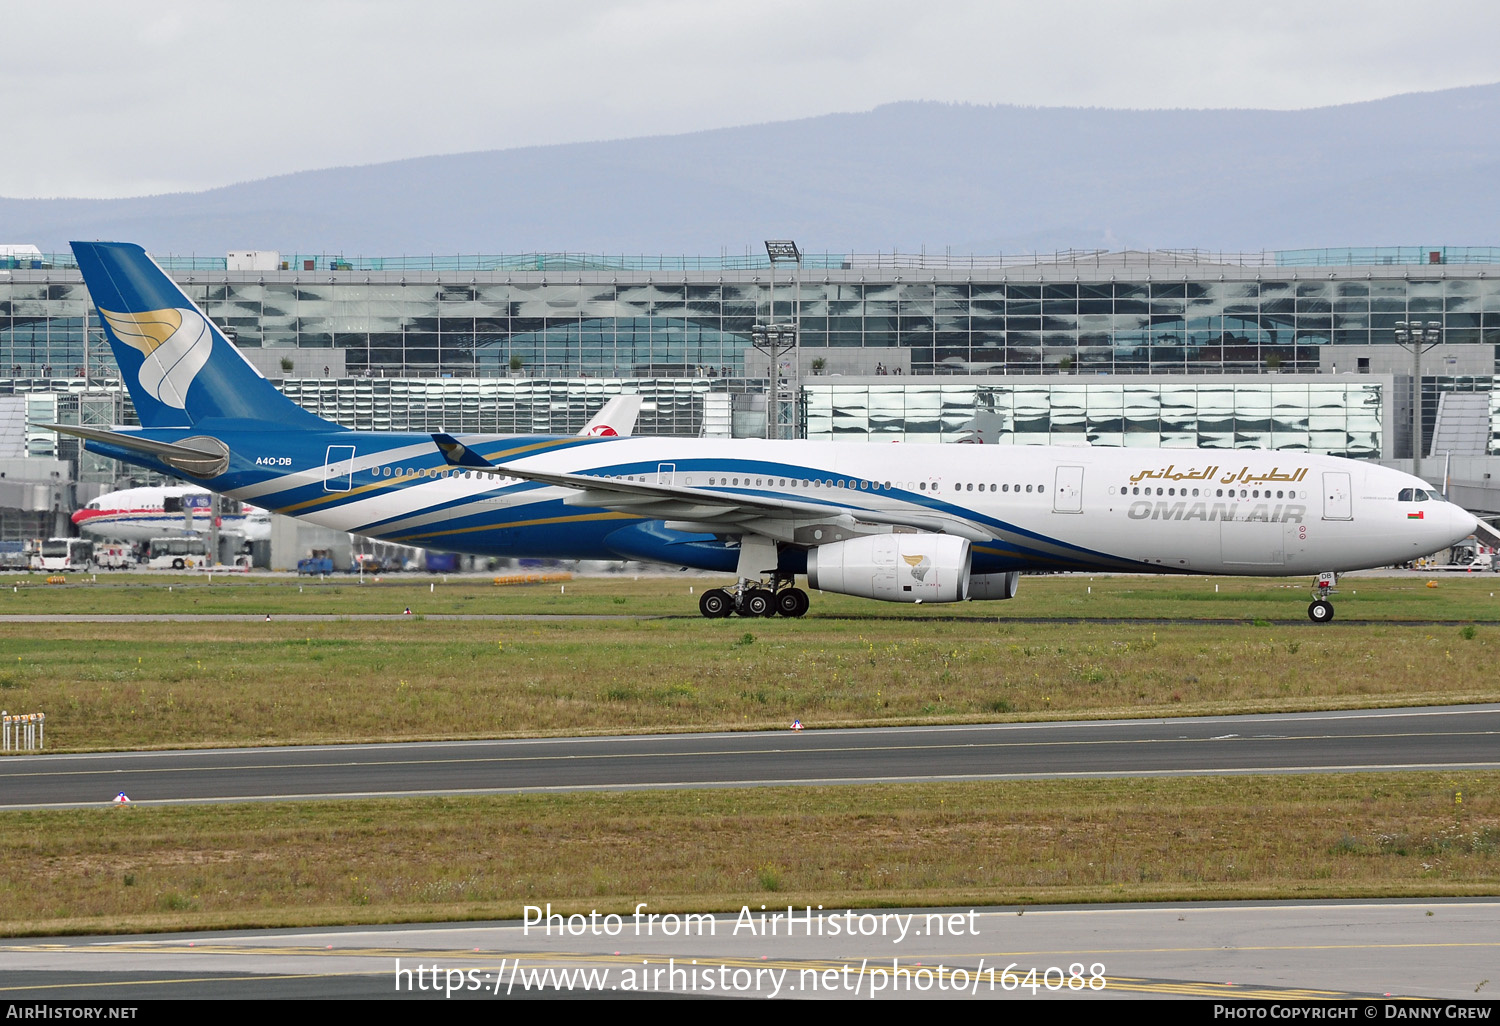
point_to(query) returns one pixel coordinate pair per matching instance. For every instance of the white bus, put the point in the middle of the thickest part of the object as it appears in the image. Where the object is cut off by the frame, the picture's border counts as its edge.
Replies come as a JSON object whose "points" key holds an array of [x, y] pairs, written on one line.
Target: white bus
{"points": [[56, 554], [177, 554]]}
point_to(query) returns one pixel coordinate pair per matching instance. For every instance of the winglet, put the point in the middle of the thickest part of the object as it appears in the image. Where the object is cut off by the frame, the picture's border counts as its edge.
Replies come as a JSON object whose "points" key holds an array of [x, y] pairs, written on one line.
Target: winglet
{"points": [[457, 454]]}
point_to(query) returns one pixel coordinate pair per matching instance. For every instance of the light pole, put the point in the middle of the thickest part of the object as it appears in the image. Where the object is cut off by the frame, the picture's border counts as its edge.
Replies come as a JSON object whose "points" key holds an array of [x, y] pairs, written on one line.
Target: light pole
{"points": [[1419, 339], [776, 340]]}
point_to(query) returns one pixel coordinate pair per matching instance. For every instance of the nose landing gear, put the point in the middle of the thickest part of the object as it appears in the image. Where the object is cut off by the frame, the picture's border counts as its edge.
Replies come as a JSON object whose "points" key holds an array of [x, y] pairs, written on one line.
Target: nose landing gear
{"points": [[1321, 610]]}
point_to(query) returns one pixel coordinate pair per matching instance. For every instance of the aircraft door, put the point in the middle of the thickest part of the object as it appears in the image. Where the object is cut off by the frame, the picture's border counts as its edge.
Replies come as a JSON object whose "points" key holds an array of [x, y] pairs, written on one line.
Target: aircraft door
{"points": [[1338, 502], [1067, 492], [338, 469], [1252, 542], [666, 473]]}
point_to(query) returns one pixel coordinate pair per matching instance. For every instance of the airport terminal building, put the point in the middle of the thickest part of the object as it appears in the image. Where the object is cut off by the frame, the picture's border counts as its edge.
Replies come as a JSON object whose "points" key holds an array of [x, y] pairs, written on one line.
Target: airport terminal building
{"points": [[1307, 350]]}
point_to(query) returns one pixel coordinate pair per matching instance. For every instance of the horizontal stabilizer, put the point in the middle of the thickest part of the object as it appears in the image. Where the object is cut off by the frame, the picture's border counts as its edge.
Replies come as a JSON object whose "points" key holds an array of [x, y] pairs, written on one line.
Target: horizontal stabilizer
{"points": [[200, 456]]}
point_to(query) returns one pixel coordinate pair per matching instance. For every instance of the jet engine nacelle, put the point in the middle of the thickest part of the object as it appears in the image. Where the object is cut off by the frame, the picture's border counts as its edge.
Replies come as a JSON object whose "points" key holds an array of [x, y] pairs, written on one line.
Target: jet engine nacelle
{"points": [[994, 586], [893, 567]]}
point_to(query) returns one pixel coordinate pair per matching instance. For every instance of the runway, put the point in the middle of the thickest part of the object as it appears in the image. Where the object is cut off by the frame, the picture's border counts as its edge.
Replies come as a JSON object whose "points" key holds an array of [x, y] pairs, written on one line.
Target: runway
{"points": [[1279, 951], [1438, 738], [1065, 621]]}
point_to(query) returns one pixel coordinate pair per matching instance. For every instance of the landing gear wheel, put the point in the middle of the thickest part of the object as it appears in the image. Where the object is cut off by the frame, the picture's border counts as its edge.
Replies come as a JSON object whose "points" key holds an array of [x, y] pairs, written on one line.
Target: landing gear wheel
{"points": [[715, 603], [791, 602], [757, 602], [1320, 611]]}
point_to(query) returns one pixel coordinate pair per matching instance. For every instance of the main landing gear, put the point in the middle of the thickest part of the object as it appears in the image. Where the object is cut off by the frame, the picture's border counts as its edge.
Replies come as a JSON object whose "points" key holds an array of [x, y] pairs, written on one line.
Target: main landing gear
{"points": [[753, 598], [1321, 610]]}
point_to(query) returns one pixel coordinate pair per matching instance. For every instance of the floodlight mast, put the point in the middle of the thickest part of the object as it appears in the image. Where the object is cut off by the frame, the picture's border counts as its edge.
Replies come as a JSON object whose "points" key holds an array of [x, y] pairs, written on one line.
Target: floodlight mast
{"points": [[776, 340], [1419, 339]]}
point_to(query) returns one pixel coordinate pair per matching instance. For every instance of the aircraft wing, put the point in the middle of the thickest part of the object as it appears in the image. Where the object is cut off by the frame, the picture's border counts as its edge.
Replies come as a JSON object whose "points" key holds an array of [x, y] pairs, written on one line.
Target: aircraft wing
{"points": [[731, 511]]}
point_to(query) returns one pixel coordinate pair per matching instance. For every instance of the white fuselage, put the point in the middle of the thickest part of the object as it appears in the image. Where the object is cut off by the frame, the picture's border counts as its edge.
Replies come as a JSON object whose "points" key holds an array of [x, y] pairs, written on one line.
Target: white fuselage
{"points": [[1223, 511], [141, 514]]}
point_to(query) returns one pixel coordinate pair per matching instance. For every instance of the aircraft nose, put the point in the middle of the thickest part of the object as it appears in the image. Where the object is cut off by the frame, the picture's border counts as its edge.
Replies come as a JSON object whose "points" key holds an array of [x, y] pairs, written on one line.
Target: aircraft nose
{"points": [[1462, 522]]}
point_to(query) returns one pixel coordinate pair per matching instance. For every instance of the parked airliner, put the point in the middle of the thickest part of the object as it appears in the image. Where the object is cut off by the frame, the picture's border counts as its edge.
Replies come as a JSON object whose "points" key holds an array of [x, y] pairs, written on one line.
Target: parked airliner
{"points": [[903, 523], [165, 511]]}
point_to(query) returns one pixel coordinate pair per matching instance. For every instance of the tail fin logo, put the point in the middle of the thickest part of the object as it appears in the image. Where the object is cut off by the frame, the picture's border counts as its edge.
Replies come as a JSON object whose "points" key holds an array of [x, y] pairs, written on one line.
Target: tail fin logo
{"points": [[176, 344]]}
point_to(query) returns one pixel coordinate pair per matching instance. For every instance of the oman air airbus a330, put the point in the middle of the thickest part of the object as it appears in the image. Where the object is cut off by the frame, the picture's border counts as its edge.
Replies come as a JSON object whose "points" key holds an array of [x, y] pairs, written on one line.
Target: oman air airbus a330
{"points": [[901, 523]]}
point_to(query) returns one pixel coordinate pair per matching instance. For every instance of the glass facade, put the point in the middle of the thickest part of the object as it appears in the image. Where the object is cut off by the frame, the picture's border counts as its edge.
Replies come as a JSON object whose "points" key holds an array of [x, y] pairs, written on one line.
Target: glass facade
{"points": [[1082, 318], [1037, 350], [43, 326], [1335, 417], [641, 329], [684, 407]]}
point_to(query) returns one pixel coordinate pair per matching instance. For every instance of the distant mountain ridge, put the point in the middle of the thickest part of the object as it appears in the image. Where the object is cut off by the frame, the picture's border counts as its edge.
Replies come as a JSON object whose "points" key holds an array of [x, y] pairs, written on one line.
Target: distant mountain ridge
{"points": [[1416, 169]]}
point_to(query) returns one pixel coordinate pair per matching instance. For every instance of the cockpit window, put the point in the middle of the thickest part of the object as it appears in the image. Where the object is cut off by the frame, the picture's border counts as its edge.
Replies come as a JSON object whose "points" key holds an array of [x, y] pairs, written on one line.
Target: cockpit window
{"points": [[1414, 495]]}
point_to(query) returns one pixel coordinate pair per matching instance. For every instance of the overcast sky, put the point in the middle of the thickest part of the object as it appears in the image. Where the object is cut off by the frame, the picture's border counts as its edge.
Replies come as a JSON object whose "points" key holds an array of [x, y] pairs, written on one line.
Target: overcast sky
{"points": [[111, 99]]}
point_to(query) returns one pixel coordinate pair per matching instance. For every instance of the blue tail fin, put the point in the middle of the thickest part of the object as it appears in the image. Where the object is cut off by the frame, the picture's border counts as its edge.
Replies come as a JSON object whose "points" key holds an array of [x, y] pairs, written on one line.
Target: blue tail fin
{"points": [[179, 368]]}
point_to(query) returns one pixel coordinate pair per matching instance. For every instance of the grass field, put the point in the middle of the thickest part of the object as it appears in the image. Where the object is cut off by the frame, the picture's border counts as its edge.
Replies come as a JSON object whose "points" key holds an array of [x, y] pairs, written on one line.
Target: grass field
{"points": [[1456, 597], [210, 682], [176, 684], [256, 864]]}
